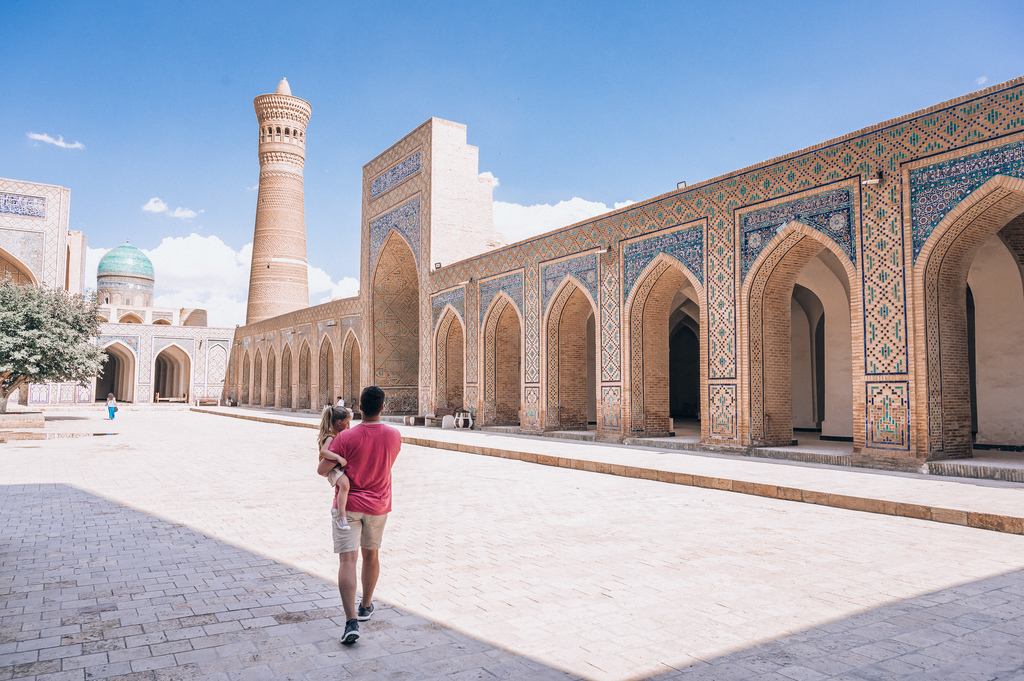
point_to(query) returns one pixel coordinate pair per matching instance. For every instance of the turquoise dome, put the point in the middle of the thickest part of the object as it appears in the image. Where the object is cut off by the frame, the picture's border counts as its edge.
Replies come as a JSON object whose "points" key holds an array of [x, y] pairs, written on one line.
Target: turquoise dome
{"points": [[124, 261]]}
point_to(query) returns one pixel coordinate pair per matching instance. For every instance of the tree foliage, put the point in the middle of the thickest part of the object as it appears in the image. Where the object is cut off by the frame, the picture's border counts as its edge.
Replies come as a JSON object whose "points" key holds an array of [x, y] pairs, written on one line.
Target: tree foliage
{"points": [[44, 337]]}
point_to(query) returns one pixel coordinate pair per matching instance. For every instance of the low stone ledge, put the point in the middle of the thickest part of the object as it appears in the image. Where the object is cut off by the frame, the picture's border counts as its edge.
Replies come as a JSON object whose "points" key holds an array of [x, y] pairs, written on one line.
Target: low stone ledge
{"points": [[18, 420]]}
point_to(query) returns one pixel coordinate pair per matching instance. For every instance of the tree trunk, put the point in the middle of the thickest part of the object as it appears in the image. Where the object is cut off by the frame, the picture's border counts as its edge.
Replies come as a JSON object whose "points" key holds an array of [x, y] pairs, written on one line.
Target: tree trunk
{"points": [[6, 392]]}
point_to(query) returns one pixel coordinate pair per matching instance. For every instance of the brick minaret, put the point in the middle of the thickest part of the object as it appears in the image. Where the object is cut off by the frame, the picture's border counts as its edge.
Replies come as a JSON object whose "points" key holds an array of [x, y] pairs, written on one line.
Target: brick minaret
{"points": [[277, 281]]}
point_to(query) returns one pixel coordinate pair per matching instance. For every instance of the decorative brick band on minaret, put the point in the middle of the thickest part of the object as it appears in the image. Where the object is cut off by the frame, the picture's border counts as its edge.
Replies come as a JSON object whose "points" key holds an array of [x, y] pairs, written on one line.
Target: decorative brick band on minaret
{"points": [[278, 281]]}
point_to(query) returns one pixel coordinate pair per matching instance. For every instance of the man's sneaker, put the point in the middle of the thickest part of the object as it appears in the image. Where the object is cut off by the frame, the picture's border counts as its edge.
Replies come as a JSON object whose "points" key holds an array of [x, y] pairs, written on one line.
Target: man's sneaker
{"points": [[351, 632], [365, 613]]}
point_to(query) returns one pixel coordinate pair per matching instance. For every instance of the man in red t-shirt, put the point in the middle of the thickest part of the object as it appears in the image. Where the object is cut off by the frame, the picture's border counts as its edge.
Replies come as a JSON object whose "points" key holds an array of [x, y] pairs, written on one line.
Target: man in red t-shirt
{"points": [[370, 450]]}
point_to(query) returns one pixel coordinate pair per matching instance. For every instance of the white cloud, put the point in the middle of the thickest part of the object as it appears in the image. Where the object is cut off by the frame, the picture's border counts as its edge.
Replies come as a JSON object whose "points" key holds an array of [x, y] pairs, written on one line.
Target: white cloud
{"points": [[155, 205], [981, 80], [59, 142], [183, 213], [516, 222], [253, 188], [488, 175], [323, 289], [203, 272]]}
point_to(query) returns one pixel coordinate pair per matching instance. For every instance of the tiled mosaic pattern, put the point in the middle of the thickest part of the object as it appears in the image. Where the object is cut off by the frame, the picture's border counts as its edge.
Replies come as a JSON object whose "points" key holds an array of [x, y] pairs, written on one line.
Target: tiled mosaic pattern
{"points": [[405, 220], [831, 213], [723, 407], [395, 175], [685, 245], [583, 269], [937, 188], [28, 206], [611, 408], [888, 415], [510, 284], [610, 334], [396, 319], [456, 298]]}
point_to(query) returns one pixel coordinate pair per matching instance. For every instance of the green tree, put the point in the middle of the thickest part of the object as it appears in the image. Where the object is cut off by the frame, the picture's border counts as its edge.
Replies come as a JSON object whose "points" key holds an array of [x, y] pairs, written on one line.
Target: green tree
{"points": [[44, 338]]}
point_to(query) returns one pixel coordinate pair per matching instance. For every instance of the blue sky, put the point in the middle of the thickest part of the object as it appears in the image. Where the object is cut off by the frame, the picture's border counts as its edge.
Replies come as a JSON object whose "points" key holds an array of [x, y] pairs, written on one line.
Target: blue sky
{"points": [[598, 102]]}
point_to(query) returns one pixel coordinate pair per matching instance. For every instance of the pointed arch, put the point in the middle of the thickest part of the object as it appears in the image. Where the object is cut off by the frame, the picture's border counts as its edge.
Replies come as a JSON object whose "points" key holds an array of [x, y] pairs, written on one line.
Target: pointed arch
{"points": [[172, 373], [570, 330], [449, 360], [13, 269], [503, 346], [325, 372], [941, 323], [130, 318], [395, 325], [287, 387], [648, 310], [271, 390], [257, 378], [766, 316], [351, 384], [304, 369], [118, 373], [246, 378]]}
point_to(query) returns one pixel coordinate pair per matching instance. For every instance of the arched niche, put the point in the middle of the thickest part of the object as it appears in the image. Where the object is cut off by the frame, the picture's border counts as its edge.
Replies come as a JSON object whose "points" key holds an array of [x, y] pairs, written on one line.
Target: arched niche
{"points": [[394, 310], [571, 367], [449, 361], [956, 408], [172, 374], [117, 375], [503, 363]]}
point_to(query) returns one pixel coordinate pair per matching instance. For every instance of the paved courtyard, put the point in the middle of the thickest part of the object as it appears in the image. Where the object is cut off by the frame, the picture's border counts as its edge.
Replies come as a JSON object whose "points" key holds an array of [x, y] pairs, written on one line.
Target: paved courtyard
{"points": [[195, 546]]}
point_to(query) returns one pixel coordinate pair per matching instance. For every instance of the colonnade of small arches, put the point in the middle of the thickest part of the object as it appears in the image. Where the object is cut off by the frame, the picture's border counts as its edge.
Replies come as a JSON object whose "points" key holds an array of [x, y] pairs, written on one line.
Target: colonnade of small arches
{"points": [[288, 135], [297, 380]]}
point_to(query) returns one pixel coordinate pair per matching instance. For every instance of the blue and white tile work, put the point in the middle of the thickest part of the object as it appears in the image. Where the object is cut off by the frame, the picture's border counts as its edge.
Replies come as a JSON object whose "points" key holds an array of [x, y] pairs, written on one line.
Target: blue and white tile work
{"points": [[27, 246], [404, 219], [395, 175], [583, 268], [457, 298], [26, 206], [831, 213], [511, 284], [686, 246], [935, 189]]}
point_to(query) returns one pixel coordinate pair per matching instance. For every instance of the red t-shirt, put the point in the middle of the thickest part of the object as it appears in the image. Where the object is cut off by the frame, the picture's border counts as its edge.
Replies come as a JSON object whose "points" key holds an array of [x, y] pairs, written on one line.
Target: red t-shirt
{"points": [[371, 450]]}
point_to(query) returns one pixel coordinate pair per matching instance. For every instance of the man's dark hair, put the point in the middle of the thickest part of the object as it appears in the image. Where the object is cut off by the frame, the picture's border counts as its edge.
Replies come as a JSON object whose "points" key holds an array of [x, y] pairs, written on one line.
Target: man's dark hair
{"points": [[371, 401]]}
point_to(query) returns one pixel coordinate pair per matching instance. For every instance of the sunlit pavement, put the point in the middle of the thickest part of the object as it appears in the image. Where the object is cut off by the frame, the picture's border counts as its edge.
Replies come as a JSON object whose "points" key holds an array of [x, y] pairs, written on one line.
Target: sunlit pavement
{"points": [[195, 546]]}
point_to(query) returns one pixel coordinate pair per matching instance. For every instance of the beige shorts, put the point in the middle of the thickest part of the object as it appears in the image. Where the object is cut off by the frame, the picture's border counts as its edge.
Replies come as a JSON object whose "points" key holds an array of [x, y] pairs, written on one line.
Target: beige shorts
{"points": [[365, 531]]}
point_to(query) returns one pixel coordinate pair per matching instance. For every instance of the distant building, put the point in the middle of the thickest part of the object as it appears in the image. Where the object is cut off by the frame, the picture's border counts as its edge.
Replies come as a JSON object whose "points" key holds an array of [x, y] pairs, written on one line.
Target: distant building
{"points": [[153, 352]]}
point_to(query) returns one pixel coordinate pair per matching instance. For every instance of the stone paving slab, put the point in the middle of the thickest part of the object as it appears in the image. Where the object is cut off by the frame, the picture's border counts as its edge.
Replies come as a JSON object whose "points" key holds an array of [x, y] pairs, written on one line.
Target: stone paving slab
{"points": [[991, 505], [187, 546]]}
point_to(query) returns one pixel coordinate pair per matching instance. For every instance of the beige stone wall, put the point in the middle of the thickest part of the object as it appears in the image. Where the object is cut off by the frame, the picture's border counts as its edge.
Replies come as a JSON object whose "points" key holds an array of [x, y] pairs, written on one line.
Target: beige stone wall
{"points": [[75, 268], [462, 219], [995, 283]]}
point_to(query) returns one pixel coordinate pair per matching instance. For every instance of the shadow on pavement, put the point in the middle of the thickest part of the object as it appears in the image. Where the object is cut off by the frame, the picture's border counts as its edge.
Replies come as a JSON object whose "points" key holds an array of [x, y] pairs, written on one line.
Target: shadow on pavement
{"points": [[88, 584], [93, 589]]}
